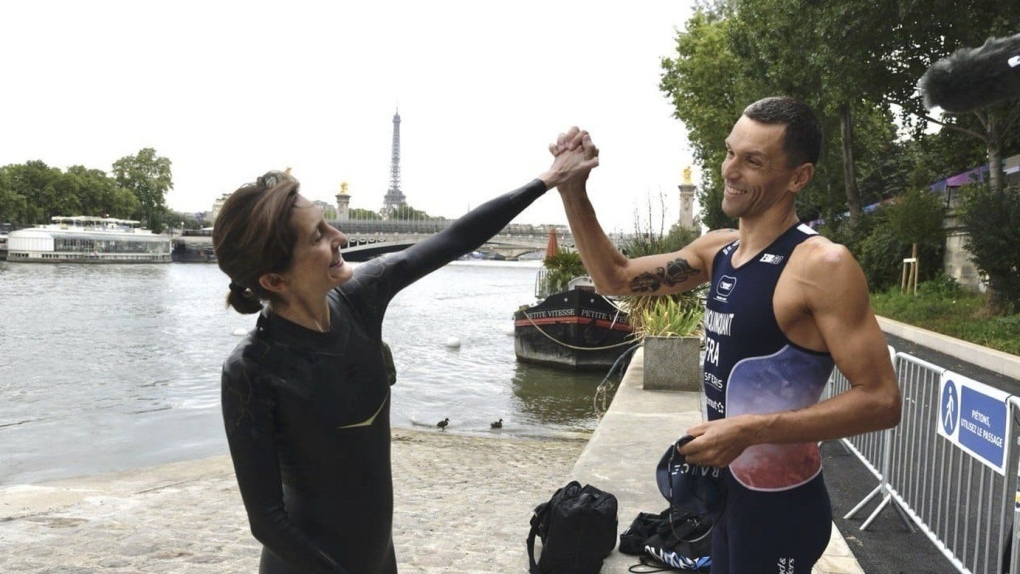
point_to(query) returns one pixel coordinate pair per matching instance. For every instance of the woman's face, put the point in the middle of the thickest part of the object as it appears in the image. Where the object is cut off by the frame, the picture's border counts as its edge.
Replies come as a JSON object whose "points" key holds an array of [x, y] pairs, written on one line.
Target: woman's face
{"points": [[317, 266]]}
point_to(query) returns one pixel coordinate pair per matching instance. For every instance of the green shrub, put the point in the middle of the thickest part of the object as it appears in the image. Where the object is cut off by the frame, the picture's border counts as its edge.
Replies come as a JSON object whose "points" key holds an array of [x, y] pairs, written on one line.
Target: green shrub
{"points": [[676, 315], [943, 286], [993, 221]]}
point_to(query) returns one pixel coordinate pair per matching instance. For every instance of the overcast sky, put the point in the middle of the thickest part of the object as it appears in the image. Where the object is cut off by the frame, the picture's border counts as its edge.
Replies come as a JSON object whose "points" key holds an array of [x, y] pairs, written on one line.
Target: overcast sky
{"points": [[229, 90]]}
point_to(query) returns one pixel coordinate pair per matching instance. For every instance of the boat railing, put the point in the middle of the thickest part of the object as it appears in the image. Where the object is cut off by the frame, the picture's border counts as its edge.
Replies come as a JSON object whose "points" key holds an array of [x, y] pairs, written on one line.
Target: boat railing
{"points": [[92, 223], [541, 286]]}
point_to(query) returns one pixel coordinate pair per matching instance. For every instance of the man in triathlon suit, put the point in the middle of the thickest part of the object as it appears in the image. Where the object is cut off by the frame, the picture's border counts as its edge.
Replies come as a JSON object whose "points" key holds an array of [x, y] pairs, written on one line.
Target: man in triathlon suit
{"points": [[784, 305], [306, 394]]}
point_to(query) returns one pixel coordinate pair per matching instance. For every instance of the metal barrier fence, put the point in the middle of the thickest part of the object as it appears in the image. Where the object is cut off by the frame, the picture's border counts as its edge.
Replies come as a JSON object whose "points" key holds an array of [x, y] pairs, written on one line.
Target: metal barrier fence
{"points": [[965, 507]]}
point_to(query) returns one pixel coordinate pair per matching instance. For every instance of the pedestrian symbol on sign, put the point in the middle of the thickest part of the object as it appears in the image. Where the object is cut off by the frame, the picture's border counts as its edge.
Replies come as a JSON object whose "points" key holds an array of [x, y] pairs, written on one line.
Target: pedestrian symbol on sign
{"points": [[950, 404]]}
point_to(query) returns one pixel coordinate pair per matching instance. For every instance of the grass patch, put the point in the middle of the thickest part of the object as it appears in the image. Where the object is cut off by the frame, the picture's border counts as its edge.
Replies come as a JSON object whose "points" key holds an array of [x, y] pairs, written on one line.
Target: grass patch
{"points": [[941, 306]]}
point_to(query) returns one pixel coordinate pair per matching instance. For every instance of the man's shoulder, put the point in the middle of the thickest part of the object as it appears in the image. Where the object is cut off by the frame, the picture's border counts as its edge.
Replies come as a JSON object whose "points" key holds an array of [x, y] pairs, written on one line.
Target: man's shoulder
{"points": [[818, 253], [824, 267]]}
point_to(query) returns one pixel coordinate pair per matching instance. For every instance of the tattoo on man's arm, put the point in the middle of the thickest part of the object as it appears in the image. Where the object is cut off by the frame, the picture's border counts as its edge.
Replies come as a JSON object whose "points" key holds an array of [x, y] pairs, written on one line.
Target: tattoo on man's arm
{"points": [[674, 273]]}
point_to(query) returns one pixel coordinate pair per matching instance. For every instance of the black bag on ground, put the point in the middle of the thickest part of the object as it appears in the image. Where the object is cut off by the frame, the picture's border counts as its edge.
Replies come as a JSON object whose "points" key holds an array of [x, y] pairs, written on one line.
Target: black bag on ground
{"points": [[578, 530], [680, 537], [646, 524], [675, 539]]}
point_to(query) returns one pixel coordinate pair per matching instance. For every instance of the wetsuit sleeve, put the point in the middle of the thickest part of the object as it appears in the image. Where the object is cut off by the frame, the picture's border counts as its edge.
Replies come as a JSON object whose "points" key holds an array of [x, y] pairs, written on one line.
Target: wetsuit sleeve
{"points": [[396, 271], [248, 407]]}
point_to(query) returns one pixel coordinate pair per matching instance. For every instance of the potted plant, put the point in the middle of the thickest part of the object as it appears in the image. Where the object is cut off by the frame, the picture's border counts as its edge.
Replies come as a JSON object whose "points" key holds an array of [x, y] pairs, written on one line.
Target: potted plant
{"points": [[671, 330], [558, 269]]}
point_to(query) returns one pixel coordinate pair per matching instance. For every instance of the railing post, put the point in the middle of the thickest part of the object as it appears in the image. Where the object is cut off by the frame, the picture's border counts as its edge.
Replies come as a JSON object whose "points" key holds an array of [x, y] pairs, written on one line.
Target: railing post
{"points": [[883, 489]]}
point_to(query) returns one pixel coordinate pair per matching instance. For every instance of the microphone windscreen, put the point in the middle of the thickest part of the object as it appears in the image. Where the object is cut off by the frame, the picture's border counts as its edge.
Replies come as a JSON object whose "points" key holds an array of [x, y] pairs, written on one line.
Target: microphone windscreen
{"points": [[972, 78]]}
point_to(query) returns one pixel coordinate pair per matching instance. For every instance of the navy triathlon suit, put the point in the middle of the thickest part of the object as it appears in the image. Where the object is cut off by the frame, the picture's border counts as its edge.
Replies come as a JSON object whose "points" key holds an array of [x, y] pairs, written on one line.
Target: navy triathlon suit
{"points": [[778, 517], [307, 414]]}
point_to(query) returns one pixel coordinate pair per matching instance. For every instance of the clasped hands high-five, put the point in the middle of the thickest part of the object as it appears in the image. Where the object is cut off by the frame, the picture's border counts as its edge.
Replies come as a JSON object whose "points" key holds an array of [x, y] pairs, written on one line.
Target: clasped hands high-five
{"points": [[575, 156]]}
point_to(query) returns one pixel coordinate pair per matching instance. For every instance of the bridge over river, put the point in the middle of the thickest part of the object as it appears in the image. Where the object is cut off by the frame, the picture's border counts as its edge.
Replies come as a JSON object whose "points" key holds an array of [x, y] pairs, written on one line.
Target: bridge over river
{"points": [[371, 238]]}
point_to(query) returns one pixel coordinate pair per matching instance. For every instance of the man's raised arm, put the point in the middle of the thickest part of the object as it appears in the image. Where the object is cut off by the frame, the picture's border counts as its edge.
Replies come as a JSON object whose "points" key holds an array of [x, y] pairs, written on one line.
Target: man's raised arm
{"points": [[612, 272]]}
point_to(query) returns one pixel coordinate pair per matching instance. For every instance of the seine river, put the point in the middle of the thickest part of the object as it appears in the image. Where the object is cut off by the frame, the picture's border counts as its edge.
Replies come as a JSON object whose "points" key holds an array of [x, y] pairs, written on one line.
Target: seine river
{"points": [[111, 367]]}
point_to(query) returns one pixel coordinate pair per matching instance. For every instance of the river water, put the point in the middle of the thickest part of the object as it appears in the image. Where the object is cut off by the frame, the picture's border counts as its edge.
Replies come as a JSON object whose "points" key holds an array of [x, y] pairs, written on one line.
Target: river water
{"points": [[111, 367]]}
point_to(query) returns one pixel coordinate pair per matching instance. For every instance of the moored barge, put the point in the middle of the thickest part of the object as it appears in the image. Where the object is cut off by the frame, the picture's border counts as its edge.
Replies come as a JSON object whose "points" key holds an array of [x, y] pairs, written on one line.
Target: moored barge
{"points": [[576, 329]]}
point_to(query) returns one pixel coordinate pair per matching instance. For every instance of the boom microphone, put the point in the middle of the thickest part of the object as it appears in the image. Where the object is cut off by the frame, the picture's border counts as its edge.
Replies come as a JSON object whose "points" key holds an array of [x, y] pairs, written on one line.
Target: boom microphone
{"points": [[973, 78]]}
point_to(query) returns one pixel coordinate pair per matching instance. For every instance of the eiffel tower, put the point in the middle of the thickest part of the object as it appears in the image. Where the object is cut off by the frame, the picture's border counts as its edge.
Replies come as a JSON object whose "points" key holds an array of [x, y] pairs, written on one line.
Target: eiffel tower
{"points": [[394, 197]]}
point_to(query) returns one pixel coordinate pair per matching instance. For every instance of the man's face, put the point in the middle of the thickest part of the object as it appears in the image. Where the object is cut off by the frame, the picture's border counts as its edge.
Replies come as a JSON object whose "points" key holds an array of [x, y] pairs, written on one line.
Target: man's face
{"points": [[755, 169]]}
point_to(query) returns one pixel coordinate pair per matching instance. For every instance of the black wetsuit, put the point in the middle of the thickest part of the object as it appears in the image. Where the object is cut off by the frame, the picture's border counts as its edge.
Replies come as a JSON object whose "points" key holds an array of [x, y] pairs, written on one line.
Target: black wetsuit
{"points": [[307, 414], [777, 517]]}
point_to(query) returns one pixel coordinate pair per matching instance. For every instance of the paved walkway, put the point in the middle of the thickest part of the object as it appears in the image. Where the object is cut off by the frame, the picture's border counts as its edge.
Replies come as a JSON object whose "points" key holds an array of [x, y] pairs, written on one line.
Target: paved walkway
{"points": [[463, 503]]}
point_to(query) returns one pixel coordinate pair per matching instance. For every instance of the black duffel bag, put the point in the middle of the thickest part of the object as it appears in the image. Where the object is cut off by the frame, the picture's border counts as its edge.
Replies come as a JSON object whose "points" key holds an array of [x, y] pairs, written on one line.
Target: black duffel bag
{"points": [[578, 531]]}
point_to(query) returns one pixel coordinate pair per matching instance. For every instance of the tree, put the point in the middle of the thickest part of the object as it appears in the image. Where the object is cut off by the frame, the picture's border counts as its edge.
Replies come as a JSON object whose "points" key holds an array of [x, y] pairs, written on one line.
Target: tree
{"points": [[989, 214], [832, 55], [176, 218], [405, 212], [707, 99], [95, 193], [728, 59], [849, 61], [921, 40], [33, 192], [12, 204], [854, 62], [33, 182], [149, 177], [363, 214]]}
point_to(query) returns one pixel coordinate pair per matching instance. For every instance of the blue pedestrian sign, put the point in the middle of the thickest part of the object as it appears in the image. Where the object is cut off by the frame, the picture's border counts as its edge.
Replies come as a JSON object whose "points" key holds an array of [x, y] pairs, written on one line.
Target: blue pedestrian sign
{"points": [[973, 416], [949, 414]]}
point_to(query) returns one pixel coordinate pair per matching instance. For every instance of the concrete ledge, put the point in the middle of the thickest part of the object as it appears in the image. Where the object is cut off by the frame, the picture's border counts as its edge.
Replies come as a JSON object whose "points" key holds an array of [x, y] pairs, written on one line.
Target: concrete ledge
{"points": [[626, 447], [1002, 363]]}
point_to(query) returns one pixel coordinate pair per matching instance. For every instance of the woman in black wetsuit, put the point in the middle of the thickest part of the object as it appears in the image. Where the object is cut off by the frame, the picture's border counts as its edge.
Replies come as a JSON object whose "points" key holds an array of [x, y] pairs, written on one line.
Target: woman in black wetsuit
{"points": [[306, 394]]}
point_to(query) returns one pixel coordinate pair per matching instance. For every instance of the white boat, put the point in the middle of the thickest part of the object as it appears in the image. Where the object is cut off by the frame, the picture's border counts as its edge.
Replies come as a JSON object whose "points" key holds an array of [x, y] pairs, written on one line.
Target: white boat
{"points": [[87, 239]]}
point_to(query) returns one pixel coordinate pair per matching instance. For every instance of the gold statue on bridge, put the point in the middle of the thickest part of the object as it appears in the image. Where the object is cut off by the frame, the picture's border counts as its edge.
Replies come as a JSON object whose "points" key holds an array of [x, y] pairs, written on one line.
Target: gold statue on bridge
{"points": [[687, 175], [343, 188]]}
